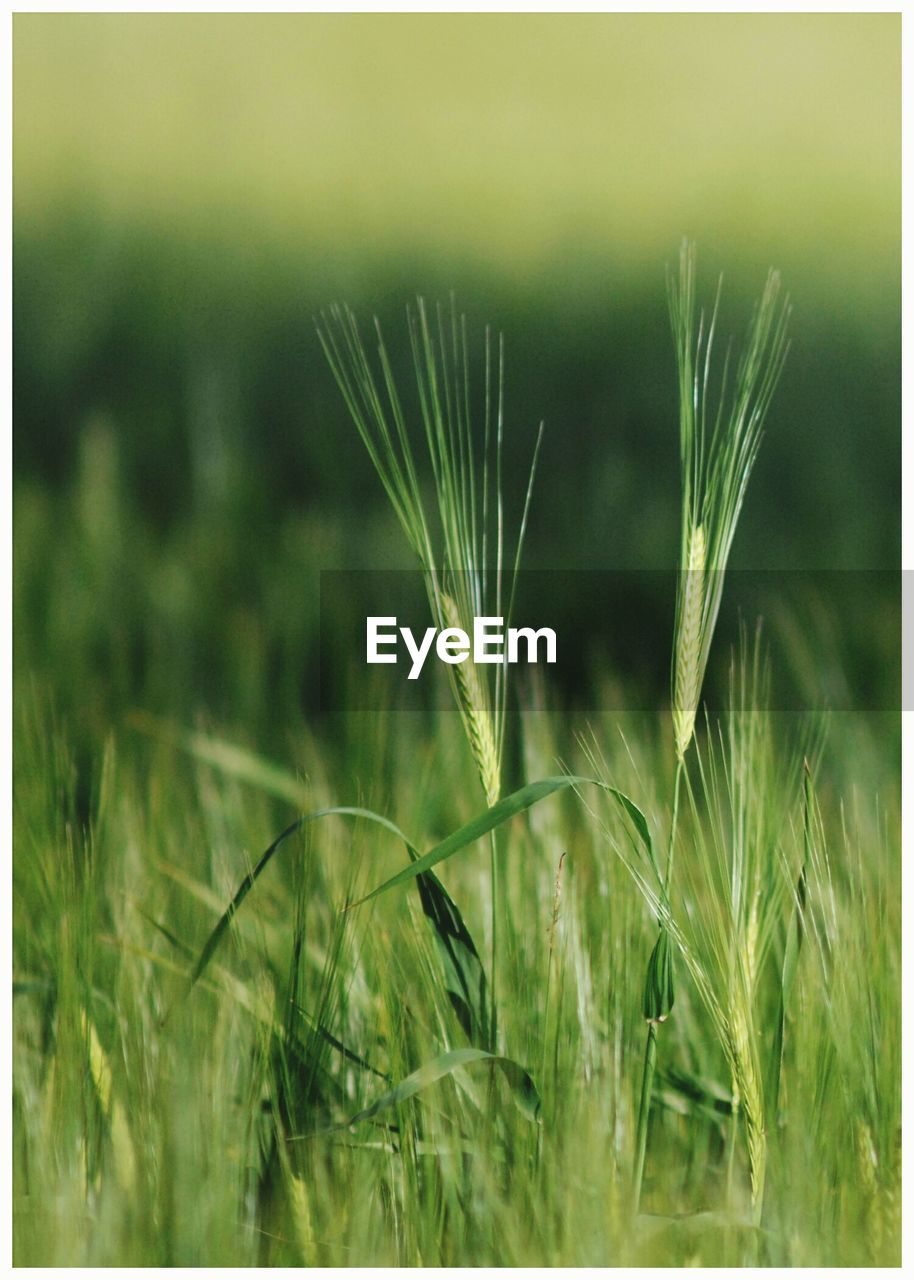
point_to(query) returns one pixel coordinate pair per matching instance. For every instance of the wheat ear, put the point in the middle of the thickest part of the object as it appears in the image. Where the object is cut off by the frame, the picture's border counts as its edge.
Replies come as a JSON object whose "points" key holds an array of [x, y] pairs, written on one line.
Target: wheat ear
{"points": [[688, 644], [474, 711]]}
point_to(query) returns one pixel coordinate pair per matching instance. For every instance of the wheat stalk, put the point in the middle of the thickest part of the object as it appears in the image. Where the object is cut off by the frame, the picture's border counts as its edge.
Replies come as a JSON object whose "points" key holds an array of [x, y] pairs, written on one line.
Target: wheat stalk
{"points": [[461, 543], [718, 447], [720, 429]]}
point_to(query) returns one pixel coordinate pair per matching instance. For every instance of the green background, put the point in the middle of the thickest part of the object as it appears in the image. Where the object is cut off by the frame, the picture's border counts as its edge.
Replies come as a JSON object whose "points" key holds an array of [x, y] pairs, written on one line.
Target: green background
{"points": [[190, 190]]}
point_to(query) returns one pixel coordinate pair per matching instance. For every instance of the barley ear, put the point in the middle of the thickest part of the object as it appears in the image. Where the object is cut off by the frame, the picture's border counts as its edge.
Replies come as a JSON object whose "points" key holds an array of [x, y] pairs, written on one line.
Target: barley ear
{"points": [[748, 1086], [688, 673], [869, 1184], [474, 711]]}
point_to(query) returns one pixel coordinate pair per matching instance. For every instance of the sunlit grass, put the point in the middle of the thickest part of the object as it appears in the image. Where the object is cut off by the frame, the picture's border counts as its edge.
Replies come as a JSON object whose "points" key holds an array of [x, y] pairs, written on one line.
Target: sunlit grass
{"points": [[153, 1126]]}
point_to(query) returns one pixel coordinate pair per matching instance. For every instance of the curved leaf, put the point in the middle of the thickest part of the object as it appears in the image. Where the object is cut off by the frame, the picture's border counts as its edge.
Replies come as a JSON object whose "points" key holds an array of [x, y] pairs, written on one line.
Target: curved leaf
{"points": [[464, 974], [479, 826], [250, 879], [639, 822]]}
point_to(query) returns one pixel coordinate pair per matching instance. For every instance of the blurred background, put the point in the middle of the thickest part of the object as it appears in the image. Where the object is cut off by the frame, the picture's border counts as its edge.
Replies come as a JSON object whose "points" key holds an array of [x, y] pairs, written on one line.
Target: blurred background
{"points": [[191, 189]]}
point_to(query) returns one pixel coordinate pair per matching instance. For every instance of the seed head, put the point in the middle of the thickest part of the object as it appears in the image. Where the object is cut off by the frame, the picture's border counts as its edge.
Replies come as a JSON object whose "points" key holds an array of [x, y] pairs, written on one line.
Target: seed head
{"points": [[721, 415], [688, 673], [474, 710]]}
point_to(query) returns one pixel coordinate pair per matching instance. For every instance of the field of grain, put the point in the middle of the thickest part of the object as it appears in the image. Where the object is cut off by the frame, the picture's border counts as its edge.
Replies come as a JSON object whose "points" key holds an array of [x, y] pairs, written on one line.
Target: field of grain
{"points": [[590, 966]]}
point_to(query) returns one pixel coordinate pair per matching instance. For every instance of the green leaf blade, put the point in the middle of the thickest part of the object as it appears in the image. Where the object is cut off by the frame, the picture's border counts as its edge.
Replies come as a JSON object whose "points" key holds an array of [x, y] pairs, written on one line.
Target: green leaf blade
{"points": [[481, 825]]}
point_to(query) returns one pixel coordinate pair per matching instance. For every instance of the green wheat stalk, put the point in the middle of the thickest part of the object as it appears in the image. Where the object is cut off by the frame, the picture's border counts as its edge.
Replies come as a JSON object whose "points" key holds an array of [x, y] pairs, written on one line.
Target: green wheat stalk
{"points": [[460, 540], [720, 429]]}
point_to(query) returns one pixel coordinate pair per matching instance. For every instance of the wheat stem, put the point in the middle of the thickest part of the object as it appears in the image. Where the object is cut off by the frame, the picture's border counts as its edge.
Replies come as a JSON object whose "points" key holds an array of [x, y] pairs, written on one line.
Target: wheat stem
{"points": [[647, 1087]]}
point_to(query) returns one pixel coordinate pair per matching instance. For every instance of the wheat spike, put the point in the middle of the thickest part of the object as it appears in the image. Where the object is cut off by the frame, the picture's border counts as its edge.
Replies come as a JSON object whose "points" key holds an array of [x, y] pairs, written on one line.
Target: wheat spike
{"points": [[299, 1203], [869, 1182], [892, 1197], [113, 1111], [750, 949], [474, 712], [688, 644], [750, 1095]]}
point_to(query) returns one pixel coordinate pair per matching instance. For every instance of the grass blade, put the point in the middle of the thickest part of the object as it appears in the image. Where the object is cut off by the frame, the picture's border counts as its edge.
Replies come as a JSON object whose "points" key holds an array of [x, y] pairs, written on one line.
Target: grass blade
{"points": [[639, 822], [791, 950], [464, 974], [479, 826], [523, 1089]]}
